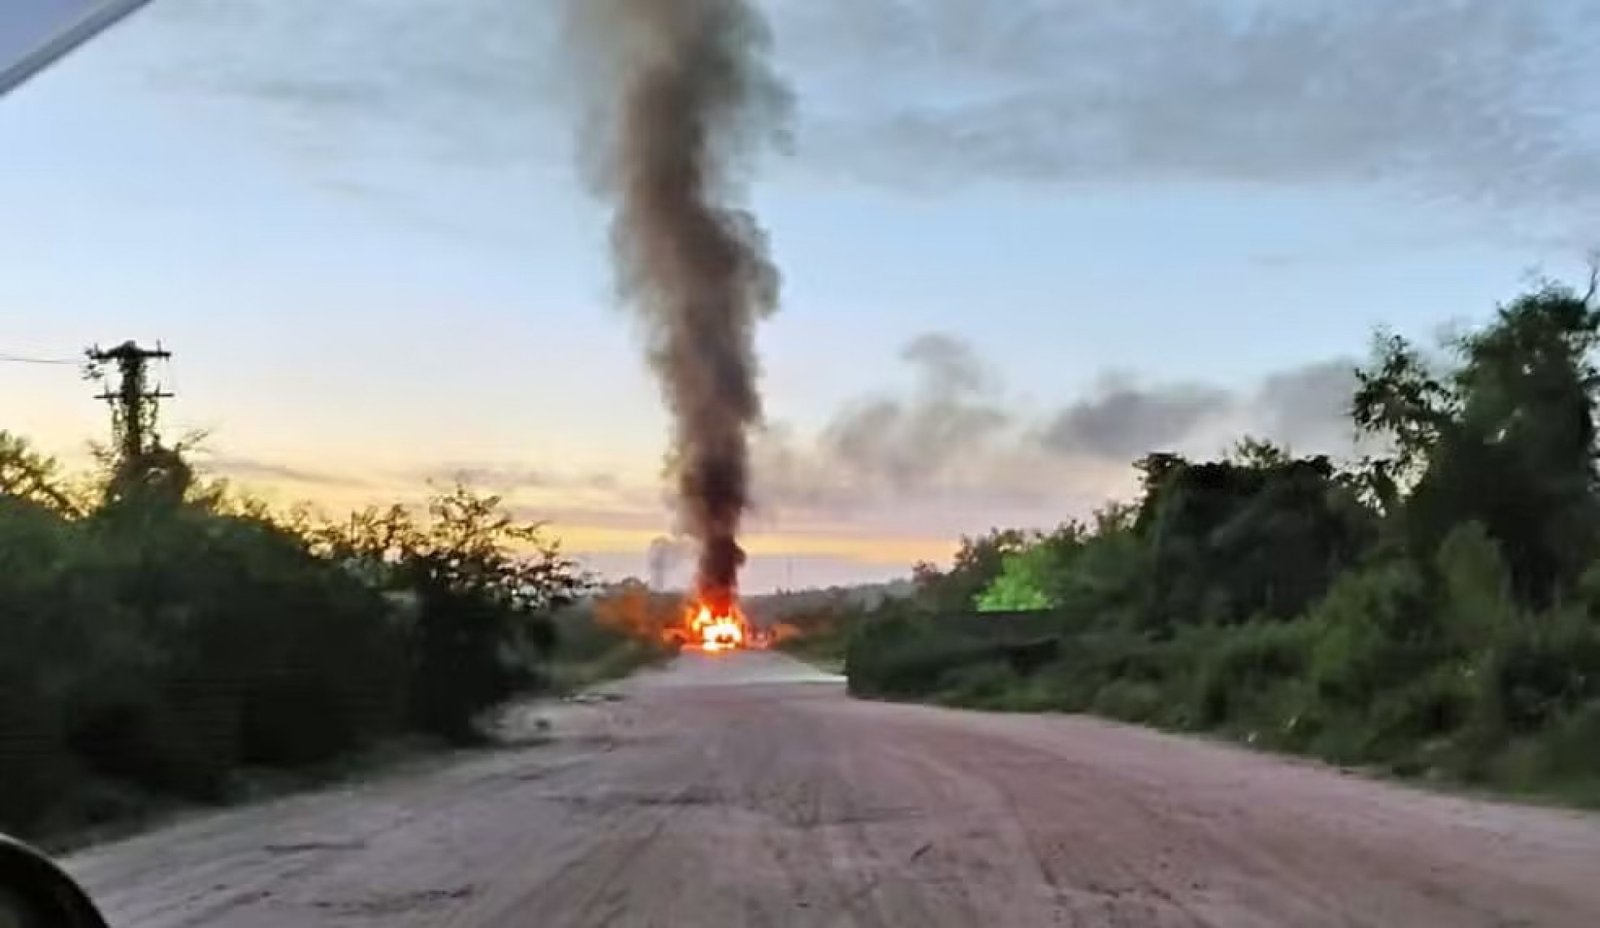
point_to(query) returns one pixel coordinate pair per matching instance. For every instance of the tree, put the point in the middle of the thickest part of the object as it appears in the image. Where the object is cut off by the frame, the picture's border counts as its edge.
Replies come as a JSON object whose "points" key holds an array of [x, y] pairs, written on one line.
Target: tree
{"points": [[1401, 398], [486, 586], [1021, 583], [1262, 535], [1251, 451], [25, 474], [977, 563], [1506, 439], [1035, 577]]}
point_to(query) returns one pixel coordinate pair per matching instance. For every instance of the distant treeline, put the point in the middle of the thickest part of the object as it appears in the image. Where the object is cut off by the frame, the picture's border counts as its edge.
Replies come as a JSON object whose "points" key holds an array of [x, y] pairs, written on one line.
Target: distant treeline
{"points": [[1434, 609]]}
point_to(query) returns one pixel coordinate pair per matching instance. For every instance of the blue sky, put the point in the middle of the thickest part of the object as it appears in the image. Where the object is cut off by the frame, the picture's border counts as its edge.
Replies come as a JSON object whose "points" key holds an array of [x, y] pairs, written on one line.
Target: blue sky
{"points": [[363, 230]]}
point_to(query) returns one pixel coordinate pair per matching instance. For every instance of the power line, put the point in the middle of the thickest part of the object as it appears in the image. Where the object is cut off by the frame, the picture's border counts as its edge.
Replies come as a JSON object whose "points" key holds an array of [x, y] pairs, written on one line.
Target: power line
{"points": [[18, 359]]}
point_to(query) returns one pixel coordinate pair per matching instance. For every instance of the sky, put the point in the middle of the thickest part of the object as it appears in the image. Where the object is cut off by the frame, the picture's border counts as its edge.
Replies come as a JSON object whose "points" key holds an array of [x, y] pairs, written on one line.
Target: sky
{"points": [[1022, 243]]}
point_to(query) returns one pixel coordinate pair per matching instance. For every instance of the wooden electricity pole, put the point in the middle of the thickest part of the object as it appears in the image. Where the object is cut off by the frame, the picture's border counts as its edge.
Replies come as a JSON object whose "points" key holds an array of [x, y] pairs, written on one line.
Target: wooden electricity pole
{"points": [[134, 401]]}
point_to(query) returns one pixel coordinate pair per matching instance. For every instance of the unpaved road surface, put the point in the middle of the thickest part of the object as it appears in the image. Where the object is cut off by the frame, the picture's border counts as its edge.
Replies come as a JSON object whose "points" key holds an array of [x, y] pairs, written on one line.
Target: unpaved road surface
{"points": [[746, 790]]}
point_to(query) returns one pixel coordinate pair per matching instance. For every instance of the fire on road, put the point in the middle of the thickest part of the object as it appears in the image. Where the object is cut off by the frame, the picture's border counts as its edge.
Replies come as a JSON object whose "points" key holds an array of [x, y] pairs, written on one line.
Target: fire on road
{"points": [[717, 630]]}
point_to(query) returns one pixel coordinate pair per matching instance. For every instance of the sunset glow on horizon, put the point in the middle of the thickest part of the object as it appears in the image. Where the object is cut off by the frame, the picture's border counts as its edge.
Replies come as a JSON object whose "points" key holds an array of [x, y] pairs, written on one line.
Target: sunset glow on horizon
{"points": [[371, 276]]}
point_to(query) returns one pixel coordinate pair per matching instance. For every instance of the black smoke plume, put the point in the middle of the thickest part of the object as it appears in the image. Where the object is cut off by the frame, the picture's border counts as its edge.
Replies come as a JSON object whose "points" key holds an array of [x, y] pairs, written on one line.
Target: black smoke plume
{"points": [[684, 96]]}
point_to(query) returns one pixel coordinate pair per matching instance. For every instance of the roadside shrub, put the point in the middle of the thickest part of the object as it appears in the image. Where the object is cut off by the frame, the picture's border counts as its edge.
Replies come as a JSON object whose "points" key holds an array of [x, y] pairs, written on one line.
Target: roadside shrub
{"points": [[156, 634], [1247, 661], [36, 768], [906, 656], [129, 730], [1376, 633], [271, 656], [1424, 712], [985, 685], [457, 665], [1475, 606], [1541, 670], [152, 644], [1569, 751], [1128, 700]]}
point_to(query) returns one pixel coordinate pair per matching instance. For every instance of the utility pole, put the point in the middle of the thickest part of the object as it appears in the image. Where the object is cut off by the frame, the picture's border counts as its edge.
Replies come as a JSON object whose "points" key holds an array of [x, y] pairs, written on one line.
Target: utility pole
{"points": [[135, 401]]}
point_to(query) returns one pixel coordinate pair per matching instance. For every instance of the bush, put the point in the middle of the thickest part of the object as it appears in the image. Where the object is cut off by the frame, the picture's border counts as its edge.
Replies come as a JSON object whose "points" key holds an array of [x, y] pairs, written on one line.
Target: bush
{"points": [[272, 656], [154, 645], [907, 656], [1539, 671], [1569, 750], [1129, 701], [1476, 606], [136, 733], [986, 685], [1242, 664], [1375, 633], [36, 767], [1417, 717]]}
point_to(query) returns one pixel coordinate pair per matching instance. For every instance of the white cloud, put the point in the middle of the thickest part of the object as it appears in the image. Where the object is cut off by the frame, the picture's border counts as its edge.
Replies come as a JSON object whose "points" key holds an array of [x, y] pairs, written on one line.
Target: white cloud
{"points": [[1481, 101]]}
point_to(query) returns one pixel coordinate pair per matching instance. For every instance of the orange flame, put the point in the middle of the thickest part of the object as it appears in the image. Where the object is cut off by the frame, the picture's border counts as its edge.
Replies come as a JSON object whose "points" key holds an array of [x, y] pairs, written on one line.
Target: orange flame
{"points": [[715, 629]]}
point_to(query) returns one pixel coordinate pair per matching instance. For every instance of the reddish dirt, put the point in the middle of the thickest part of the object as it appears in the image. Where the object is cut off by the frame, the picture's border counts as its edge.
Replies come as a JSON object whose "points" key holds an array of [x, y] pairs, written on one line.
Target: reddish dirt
{"points": [[746, 790]]}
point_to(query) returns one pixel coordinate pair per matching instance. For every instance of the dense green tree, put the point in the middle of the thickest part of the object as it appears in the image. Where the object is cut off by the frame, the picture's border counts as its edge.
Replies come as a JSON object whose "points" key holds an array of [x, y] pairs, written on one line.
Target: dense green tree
{"points": [[978, 561], [1030, 578], [1260, 536], [1506, 439]]}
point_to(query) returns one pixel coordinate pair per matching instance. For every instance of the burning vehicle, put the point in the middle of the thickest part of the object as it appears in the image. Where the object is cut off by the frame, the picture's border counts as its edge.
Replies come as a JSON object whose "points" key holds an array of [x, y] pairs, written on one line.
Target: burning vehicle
{"points": [[717, 629]]}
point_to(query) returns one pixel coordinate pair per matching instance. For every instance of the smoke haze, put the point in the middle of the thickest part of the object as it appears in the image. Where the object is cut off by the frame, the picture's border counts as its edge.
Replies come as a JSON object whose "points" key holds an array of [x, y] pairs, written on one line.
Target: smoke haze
{"points": [[952, 436]]}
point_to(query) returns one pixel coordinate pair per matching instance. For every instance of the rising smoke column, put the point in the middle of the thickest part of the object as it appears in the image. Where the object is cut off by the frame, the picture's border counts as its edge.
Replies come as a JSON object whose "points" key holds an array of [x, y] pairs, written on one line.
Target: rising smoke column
{"points": [[683, 97]]}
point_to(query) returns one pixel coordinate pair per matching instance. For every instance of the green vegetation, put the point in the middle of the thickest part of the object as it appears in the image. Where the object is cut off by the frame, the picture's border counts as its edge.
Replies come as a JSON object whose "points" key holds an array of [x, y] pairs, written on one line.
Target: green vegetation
{"points": [[824, 651], [1432, 610], [813, 624], [162, 636], [625, 628]]}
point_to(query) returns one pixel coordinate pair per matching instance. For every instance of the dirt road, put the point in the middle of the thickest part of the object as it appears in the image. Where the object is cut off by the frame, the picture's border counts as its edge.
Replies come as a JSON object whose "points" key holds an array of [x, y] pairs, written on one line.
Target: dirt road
{"points": [[747, 790]]}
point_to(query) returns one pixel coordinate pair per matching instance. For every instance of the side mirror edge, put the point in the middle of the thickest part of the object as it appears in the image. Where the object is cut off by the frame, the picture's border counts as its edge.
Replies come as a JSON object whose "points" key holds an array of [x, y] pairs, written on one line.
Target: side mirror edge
{"points": [[53, 897]]}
